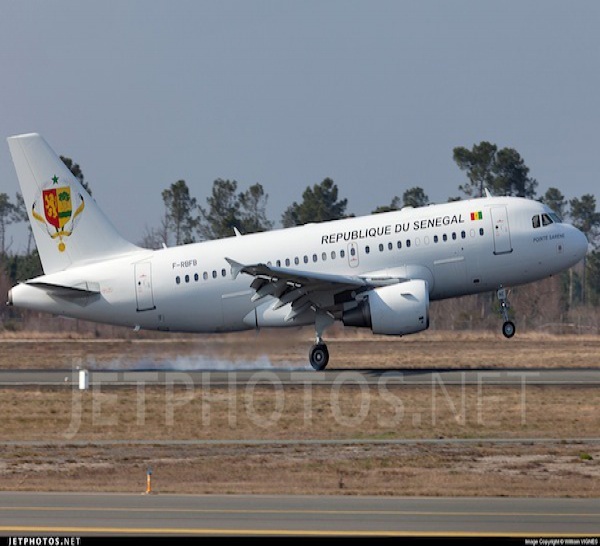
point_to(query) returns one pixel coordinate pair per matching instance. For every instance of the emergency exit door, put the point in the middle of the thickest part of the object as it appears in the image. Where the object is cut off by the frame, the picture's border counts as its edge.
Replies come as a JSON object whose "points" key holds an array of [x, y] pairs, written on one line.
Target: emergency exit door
{"points": [[143, 286], [352, 254]]}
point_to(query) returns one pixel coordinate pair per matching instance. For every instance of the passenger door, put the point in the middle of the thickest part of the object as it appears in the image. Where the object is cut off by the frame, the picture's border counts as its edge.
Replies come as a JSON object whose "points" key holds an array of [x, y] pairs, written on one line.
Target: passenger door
{"points": [[502, 244]]}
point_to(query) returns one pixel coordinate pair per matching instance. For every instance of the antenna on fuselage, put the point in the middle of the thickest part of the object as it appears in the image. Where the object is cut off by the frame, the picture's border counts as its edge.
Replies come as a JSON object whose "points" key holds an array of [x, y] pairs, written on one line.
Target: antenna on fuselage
{"points": [[487, 193]]}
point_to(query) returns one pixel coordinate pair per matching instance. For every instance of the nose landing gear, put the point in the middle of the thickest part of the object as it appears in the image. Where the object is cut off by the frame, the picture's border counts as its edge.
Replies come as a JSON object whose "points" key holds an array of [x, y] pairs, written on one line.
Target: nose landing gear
{"points": [[508, 327]]}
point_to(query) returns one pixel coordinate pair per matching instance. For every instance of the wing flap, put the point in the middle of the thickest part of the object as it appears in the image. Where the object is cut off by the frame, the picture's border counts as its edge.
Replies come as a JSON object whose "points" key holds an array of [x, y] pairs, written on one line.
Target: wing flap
{"points": [[306, 290]]}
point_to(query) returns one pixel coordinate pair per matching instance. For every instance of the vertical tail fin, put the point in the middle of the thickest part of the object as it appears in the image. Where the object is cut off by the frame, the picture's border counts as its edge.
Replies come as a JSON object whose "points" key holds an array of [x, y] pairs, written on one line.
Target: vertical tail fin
{"points": [[68, 226]]}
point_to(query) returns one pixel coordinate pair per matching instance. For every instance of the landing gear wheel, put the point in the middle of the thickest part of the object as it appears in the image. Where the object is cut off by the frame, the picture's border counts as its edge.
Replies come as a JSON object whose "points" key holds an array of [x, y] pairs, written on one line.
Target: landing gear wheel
{"points": [[508, 329], [319, 356]]}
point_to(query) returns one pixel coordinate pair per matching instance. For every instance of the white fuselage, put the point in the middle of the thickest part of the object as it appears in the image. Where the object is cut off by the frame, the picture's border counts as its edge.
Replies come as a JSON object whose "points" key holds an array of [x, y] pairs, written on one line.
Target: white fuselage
{"points": [[191, 288]]}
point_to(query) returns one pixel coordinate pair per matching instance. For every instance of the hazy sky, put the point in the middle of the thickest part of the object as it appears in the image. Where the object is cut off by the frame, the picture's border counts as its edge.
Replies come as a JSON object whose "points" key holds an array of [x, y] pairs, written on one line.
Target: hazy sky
{"points": [[373, 94]]}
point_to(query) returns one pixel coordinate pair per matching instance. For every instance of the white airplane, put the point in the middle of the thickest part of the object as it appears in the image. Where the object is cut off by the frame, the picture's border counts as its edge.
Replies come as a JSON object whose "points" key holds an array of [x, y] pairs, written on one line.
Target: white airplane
{"points": [[379, 271]]}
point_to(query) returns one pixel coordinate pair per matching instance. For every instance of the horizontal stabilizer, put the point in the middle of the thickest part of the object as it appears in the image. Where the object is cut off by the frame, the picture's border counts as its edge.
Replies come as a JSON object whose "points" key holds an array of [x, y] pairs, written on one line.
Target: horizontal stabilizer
{"points": [[81, 290]]}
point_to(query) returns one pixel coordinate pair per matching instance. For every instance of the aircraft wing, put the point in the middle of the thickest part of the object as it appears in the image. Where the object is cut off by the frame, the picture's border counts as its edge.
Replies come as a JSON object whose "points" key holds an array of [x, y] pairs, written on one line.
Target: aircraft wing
{"points": [[305, 289]]}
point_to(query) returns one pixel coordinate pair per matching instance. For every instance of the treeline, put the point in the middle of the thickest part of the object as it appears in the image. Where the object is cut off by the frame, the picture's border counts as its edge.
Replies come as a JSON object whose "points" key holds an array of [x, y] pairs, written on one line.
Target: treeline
{"points": [[228, 208]]}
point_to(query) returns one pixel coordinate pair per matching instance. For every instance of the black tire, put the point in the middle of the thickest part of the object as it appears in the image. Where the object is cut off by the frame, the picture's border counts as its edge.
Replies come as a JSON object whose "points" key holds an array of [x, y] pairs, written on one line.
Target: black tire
{"points": [[319, 356], [508, 329]]}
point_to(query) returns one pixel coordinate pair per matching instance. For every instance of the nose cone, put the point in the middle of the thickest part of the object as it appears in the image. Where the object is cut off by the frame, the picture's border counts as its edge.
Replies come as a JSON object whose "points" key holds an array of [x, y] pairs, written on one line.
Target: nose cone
{"points": [[580, 244]]}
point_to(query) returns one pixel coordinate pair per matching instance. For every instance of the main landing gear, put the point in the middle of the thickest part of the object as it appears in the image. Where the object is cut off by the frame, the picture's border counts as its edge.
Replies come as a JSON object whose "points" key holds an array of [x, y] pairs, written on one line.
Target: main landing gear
{"points": [[508, 327], [318, 354]]}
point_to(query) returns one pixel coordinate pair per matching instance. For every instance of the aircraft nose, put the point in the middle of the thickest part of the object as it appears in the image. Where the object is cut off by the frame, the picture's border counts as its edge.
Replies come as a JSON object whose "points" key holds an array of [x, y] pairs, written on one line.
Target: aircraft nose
{"points": [[580, 244]]}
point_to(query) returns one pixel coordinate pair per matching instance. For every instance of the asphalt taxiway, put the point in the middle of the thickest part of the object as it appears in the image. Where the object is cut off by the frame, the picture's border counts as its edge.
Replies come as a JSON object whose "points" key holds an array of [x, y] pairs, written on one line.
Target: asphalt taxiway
{"points": [[335, 377], [245, 515]]}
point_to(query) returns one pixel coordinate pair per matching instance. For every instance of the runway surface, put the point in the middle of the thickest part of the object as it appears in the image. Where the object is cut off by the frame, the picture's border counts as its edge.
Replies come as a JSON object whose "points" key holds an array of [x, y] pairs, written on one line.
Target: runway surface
{"points": [[119, 514], [338, 378]]}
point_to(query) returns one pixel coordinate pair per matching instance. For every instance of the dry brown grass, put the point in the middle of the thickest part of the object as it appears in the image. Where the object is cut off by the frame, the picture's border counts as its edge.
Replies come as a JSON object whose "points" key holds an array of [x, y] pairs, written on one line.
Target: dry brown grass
{"points": [[277, 413], [483, 470], [348, 349], [61, 417]]}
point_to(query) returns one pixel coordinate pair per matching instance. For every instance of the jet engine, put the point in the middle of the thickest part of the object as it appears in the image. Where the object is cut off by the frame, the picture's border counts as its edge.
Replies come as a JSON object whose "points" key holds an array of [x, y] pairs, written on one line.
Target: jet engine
{"points": [[397, 309]]}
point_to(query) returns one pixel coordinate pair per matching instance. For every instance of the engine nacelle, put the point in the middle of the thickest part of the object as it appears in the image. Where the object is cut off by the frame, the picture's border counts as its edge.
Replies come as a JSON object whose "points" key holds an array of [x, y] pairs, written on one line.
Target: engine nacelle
{"points": [[397, 309]]}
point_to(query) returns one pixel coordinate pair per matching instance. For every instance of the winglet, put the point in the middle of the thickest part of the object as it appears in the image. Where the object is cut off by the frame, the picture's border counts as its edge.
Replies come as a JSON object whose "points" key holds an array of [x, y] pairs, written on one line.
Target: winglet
{"points": [[236, 267]]}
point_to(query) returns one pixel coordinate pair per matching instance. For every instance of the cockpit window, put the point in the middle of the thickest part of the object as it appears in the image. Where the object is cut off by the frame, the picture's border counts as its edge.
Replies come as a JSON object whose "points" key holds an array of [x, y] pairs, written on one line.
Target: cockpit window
{"points": [[556, 218], [545, 219]]}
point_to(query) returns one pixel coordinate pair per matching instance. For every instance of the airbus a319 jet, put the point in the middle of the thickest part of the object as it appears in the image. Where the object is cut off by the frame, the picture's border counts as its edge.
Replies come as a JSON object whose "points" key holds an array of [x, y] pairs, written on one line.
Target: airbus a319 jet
{"points": [[378, 272]]}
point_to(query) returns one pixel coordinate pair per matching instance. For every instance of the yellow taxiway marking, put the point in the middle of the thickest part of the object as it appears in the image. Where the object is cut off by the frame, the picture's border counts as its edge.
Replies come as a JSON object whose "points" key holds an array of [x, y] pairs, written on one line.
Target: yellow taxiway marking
{"points": [[298, 532]]}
